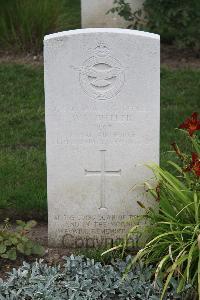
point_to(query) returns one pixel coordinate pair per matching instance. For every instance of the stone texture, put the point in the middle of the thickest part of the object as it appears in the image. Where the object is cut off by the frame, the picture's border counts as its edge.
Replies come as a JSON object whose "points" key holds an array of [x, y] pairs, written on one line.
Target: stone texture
{"points": [[102, 125], [93, 13]]}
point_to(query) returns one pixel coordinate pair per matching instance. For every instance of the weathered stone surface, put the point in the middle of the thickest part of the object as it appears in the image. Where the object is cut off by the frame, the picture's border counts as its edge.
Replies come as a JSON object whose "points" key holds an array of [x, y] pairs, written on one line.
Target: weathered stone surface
{"points": [[94, 13], [102, 125]]}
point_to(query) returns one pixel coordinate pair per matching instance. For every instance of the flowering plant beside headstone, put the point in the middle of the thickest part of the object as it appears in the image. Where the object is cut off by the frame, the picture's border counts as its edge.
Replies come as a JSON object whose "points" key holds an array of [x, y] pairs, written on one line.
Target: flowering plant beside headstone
{"points": [[172, 232]]}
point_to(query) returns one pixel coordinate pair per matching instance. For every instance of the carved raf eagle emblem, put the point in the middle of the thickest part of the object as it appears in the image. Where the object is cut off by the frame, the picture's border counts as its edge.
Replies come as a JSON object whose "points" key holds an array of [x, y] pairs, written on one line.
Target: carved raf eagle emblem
{"points": [[101, 76]]}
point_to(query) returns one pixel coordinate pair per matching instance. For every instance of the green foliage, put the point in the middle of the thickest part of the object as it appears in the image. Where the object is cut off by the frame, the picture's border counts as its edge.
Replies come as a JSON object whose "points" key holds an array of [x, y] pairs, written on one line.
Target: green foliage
{"points": [[173, 229], [13, 242], [175, 21], [180, 90], [23, 23], [123, 9], [22, 140], [82, 278]]}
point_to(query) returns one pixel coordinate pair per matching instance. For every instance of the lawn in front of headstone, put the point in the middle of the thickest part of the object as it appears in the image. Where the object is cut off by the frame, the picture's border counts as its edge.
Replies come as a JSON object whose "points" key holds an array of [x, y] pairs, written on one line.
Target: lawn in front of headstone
{"points": [[22, 135]]}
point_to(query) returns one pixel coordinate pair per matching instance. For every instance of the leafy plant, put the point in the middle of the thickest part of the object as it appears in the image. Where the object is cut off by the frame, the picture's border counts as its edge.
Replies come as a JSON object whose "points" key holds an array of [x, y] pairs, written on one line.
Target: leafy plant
{"points": [[82, 278], [173, 230], [175, 21], [137, 18], [13, 242], [95, 254]]}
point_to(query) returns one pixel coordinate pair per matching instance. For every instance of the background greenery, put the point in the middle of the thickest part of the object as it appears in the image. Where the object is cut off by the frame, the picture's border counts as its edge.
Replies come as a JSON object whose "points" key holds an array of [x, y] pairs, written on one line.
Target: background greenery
{"points": [[176, 21], [22, 134], [23, 23]]}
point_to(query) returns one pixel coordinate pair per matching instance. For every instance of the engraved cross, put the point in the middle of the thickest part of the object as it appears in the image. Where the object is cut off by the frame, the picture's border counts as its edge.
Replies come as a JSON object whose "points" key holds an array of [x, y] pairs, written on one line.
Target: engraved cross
{"points": [[103, 173]]}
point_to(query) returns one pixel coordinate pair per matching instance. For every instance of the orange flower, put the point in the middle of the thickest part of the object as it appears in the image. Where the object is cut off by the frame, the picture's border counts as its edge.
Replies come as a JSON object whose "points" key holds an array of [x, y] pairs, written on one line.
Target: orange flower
{"points": [[191, 124], [194, 165]]}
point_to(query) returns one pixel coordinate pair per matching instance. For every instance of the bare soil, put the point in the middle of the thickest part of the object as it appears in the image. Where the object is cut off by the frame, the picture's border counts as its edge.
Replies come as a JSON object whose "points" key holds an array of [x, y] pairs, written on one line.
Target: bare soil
{"points": [[8, 57], [14, 215], [171, 57], [175, 58]]}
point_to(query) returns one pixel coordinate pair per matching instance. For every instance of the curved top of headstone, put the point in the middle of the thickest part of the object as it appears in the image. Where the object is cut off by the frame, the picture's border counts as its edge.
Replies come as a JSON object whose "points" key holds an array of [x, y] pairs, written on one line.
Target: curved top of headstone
{"points": [[101, 30]]}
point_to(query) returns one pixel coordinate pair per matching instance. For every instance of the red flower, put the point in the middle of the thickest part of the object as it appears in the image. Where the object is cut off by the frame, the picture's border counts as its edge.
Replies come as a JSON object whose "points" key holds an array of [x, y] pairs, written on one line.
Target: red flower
{"points": [[191, 124], [194, 165]]}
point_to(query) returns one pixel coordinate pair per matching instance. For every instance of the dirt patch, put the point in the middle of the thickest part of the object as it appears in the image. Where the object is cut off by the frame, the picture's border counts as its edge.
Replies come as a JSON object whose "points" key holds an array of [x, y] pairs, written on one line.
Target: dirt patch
{"points": [[171, 57], [14, 215], [52, 255], [8, 57]]}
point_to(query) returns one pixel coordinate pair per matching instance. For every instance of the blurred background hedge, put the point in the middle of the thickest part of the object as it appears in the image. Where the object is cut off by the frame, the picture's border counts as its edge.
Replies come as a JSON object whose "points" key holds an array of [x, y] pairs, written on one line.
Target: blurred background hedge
{"points": [[177, 21], [23, 23]]}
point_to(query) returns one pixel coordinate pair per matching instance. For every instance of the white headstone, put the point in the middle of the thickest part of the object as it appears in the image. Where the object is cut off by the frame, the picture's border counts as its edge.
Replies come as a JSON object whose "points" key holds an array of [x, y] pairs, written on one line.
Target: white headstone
{"points": [[102, 125], [94, 13]]}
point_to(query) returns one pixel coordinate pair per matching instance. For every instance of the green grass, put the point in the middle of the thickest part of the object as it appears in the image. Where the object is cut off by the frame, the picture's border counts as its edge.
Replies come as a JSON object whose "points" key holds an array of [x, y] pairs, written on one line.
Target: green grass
{"points": [[180, 96], [22, 138], [73, 14], [22, 134]]}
